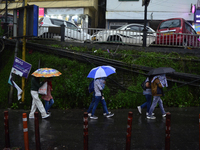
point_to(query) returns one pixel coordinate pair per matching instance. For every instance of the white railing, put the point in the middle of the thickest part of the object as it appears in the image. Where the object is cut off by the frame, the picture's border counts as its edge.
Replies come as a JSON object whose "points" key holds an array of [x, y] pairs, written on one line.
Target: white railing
{"points": [[95, 35]]}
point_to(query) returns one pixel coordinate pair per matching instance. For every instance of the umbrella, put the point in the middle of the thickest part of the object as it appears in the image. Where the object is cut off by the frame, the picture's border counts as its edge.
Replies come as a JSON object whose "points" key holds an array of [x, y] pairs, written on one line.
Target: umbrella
{"points": [[101, 71], [46, 72], [160, 70]]}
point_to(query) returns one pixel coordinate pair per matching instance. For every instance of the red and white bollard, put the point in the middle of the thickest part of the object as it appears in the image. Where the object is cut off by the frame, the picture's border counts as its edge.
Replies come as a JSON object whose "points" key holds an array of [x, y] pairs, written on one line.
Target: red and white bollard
{"points": [[129, 128], [6, 125], [167, 132], [25, 129], [85, 131]]}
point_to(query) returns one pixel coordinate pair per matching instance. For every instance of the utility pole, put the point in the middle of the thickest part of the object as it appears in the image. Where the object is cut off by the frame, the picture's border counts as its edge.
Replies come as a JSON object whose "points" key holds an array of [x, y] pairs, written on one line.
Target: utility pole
{"points": [[24, 47], [145, 3]]}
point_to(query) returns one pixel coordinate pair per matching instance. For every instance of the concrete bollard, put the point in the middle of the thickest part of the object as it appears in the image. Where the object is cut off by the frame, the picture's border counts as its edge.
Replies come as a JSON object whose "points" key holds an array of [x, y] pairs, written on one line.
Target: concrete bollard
{"points": [[167, 132], [85, 130], [37, 131], [25, 129], [6, 125], [129, 128]]}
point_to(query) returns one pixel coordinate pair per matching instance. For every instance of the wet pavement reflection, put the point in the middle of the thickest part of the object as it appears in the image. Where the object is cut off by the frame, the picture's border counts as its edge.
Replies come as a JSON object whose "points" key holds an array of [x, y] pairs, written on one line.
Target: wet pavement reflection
{"points": [[64, 130]]}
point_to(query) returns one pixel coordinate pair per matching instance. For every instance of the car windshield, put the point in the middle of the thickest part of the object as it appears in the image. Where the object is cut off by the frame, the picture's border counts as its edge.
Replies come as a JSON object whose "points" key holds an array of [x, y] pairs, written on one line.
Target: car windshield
{"points": [[57, 22], [170, 24]]}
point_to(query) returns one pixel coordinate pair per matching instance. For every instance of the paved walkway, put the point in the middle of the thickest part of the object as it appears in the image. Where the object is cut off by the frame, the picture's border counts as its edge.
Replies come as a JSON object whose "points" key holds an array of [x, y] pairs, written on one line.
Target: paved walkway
{"points": [[64, 130]]}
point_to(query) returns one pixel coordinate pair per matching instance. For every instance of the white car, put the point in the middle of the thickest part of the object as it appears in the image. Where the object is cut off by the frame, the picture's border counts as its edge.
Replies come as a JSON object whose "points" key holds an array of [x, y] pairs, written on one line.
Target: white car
{"points": [[72, 32], [127, 34]]}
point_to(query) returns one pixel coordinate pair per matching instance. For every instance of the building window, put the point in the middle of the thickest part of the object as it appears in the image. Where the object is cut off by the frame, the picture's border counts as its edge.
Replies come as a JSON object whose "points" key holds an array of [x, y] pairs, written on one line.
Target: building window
{"points": [[128, 0]]}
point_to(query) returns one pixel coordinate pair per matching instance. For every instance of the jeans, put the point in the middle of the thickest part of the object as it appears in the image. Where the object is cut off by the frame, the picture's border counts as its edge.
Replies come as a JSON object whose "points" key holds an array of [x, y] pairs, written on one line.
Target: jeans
{"points": [[103, 102], [97, 100], [156, 99], [147, 103], [48, 104]]}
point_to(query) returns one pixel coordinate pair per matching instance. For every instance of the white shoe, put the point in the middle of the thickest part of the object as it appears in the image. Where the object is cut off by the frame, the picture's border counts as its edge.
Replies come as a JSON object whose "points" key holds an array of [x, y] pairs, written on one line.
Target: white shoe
{"points": [[148, 114], [151, 117], [106, 114], [89, 114], [31, 117], [46, 116], [164, 115], [139, 109]]}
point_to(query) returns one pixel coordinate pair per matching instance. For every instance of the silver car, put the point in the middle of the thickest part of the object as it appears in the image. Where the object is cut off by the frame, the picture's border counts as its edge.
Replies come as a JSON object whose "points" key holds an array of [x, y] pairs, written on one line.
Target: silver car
{"points": [[72, 32], [127, 34]]}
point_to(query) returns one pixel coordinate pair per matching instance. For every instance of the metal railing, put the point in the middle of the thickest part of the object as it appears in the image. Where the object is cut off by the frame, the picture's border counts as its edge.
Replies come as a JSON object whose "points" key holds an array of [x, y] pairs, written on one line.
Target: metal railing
{"points": [[126, 37]]}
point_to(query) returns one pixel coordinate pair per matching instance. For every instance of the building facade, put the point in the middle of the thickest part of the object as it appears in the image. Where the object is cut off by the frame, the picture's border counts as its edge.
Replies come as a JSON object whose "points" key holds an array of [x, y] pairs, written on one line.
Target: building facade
{"points": [[121, 12], [83, 13]]}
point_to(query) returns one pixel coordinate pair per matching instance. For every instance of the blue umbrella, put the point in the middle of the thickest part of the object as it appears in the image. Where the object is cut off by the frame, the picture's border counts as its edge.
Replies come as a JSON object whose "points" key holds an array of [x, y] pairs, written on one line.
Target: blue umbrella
{"points": [[101, 71]]}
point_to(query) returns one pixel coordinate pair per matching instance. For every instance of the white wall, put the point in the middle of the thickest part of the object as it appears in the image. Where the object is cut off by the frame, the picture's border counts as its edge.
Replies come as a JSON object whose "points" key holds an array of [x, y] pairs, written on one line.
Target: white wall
{"points": [[159, 9]]}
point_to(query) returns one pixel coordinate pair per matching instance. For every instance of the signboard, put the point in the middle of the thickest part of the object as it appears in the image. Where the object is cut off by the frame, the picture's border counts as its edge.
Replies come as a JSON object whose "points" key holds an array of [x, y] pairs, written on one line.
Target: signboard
{"points": [[197, 16], [22, 69]]}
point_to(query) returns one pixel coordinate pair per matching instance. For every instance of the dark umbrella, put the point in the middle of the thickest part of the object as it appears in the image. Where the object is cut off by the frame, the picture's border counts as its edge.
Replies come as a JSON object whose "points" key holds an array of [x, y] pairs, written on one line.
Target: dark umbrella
{"points": [[160, 70]]}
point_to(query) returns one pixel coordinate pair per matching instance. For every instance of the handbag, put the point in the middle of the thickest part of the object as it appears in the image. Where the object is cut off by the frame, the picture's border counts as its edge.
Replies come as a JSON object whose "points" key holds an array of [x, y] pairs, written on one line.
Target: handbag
{"points": [[43, 89]]}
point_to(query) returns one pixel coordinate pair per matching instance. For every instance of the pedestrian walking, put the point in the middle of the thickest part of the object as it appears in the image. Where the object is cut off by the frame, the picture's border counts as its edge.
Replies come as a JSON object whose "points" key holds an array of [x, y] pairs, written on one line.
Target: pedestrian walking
{"points": [[36, 102], [48, 99], [98, 97], [103, 102], [157, 84], [148, 96]]}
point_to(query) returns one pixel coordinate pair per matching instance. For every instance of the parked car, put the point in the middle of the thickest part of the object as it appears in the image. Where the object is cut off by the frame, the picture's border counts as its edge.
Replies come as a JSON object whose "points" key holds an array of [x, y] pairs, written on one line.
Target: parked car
{"points": [[72, 32], [176, 31], [127, 34]]}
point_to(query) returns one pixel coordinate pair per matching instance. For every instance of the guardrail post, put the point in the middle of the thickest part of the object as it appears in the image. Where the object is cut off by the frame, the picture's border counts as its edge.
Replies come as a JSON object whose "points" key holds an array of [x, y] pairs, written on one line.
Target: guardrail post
{"points": [[129, 128], [37, 132], [6, 125], [62, 32], [25, 129], [85, 130], [167, 132]]}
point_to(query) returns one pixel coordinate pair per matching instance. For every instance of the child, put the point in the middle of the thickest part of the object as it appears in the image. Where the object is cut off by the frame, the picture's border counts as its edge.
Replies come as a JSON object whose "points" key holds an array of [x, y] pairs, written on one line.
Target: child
{"points": [[48, 98]]}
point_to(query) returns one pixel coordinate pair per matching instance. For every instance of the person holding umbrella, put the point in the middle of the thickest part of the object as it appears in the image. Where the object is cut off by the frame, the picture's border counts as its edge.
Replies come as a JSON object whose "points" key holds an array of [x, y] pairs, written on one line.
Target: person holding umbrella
{"points": [[35, 85], [158, 82], [98, 73], [36, 102]]}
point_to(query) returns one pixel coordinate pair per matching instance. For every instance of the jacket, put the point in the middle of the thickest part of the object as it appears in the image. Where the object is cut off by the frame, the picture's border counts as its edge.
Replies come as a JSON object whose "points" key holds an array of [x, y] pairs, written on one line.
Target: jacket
{"points": [[156, 88]]}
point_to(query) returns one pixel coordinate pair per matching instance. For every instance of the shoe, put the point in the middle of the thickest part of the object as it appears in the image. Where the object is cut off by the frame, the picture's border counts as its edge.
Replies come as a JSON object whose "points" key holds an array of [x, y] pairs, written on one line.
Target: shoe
{"points": [[48, 113], [89, 114], [31, 117], [46, 116], [106, 114], [151, 114], [93, 117], [139, 109], [109, 115], [151, 117], [164, 115]]}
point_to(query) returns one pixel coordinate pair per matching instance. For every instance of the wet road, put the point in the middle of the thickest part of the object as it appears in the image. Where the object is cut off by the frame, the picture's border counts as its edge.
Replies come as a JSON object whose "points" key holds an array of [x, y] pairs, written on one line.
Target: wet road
{"points": [[64, 130]]}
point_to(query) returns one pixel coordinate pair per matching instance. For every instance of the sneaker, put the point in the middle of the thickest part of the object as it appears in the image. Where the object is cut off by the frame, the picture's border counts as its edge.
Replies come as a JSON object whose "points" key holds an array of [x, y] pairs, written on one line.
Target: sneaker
{"points": [[93, 117], [46, 116], [151, 117], [31, 117], [164, 115], [48, 113], [148, 114], [139, 109], [89, 114], [109, 115], [106, 114]]}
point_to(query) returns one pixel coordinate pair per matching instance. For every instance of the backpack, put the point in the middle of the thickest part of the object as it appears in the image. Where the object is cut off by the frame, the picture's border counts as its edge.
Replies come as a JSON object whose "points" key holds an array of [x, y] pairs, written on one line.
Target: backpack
{"points": [[143, 85], [91, 87]]}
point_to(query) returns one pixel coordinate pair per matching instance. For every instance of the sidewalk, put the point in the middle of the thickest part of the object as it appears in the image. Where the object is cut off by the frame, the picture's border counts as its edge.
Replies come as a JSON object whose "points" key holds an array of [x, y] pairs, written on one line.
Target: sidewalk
{"points": [[64, 130]]}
